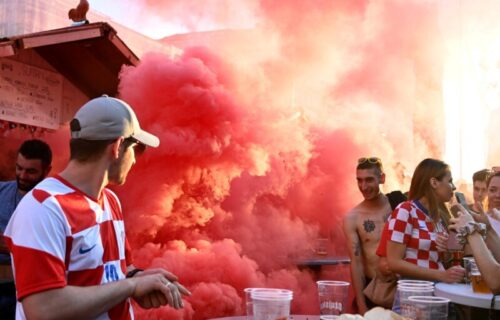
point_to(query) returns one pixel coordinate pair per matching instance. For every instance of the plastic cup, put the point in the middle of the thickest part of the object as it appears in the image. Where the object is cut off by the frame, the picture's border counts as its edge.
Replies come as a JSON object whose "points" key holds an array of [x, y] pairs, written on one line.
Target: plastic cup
{"points": [[271, 303], [405, 290], [332, 298], [428, 308], [321, 246], [469, 264], [415, 282], [248, 301], [477, 281]]}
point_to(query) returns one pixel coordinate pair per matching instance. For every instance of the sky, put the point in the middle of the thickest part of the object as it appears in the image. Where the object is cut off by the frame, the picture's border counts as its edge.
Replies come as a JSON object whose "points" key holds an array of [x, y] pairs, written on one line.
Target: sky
{"points": [[120, 11], [134, 14]]}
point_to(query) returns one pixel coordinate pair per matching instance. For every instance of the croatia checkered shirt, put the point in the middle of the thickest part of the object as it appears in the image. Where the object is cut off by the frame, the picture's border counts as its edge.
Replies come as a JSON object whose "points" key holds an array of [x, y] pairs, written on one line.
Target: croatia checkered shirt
{"points": [[409, 225], [59, 236]]}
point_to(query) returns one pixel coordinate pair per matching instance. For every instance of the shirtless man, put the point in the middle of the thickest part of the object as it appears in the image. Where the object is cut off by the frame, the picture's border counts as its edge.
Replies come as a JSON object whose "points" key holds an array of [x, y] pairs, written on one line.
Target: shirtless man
{"points": [[363, 226]]}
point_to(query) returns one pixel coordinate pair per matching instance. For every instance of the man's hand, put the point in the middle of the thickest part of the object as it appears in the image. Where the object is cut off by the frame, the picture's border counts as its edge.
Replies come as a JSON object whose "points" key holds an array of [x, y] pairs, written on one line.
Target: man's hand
{"points": [[168, 292], [155, 290], [168, 275]]}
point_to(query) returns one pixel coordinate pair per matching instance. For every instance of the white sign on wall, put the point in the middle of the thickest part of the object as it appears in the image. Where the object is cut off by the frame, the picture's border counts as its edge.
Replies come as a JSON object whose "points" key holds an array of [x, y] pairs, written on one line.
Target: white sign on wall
{"points": [[30, 95]]}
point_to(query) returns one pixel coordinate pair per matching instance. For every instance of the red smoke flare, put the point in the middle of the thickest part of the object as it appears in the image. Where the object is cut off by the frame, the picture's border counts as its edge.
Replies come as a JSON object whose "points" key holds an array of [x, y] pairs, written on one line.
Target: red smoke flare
{"points": [[260, 136], [258, 147]]}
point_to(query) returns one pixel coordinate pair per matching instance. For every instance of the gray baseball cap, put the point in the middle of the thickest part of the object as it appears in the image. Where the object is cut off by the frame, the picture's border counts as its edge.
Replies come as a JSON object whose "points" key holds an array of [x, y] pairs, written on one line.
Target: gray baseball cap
{"points": [[106, 118]]}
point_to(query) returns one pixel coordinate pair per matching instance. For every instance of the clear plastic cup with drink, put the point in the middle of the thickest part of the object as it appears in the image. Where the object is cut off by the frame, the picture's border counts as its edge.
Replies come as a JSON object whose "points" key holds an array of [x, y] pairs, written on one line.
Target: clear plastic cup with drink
{"points": [[333, 297], [477, 281], [407, 288]]}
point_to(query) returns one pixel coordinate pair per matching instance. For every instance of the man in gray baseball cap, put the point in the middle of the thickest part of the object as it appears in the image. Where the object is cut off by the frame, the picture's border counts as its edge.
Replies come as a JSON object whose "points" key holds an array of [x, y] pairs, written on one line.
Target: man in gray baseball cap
{"points": [[106, 118], [70, 228]]}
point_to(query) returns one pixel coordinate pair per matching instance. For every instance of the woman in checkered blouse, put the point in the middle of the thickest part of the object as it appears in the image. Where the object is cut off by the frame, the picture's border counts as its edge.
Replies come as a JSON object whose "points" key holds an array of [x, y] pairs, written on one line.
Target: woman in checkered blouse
{"points": [[414, 225]]}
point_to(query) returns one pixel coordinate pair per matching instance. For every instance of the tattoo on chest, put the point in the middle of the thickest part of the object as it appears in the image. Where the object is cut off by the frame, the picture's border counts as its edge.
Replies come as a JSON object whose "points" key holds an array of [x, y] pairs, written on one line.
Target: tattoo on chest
{"points": [[369, 225]]}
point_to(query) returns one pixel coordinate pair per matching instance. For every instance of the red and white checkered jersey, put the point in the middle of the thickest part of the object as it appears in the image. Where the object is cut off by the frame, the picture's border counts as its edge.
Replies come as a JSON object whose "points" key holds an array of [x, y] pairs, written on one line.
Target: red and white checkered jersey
{"points": [[409, 225], [59, 236]]}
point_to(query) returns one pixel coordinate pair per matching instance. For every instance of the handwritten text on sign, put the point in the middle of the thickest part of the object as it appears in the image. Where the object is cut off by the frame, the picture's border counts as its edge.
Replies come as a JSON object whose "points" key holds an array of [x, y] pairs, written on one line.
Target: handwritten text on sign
{"points": [[30, 95]]}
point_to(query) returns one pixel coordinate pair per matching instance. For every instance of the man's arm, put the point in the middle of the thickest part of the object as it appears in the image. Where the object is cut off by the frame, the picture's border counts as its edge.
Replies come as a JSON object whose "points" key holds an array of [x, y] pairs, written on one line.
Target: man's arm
{"points": [[74, 303], [357, 273]]}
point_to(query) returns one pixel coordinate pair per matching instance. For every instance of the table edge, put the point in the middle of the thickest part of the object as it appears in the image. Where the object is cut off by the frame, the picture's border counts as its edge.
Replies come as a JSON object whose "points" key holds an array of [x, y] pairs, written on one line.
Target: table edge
{"points": [[461, 299]]}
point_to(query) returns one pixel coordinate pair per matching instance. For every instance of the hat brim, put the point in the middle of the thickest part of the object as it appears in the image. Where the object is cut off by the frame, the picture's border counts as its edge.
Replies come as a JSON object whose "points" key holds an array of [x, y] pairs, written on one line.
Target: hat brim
{"points": [[147, 138]]}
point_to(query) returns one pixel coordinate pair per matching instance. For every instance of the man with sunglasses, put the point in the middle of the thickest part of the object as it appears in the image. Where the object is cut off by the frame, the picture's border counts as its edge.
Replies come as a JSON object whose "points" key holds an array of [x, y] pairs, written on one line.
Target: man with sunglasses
{"points": [[67, 236], [363, 226]]}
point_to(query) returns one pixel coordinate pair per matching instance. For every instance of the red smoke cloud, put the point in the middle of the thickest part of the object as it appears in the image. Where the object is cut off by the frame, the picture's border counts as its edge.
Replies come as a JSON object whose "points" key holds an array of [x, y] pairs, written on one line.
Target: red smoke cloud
{"points": [[225, 172], [260, 136], [259, 143]]}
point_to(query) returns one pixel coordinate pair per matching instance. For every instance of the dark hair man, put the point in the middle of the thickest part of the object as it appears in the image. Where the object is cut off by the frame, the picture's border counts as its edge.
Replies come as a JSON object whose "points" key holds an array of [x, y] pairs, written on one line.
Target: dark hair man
{"points": [[33, 164], [363, 226], [67, 237]]}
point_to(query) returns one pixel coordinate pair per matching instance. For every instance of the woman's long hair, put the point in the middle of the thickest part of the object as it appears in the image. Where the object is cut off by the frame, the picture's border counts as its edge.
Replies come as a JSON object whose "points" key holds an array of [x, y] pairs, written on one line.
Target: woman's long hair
{"points": [[421, 187]]}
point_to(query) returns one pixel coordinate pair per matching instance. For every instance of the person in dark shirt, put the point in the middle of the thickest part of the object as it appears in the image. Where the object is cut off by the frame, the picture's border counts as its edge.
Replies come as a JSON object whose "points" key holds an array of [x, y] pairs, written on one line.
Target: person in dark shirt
{"points": [[33, 164]]}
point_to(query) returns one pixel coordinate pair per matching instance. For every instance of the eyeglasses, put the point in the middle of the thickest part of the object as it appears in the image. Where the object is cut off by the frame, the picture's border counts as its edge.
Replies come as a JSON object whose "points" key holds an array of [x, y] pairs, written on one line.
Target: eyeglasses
{"points": [[373, 160], [139, 147]]}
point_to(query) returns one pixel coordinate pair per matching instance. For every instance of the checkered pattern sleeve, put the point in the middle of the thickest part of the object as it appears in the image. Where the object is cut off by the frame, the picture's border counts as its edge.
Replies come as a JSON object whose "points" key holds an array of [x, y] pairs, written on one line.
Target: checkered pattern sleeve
{"points": [[400, 224], [37, 238]]}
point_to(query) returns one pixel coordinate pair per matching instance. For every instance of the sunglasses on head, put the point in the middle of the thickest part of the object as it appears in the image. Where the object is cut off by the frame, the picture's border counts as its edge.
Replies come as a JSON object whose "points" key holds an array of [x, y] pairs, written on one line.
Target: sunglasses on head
{"points": [[373, 160], [139, 147]]}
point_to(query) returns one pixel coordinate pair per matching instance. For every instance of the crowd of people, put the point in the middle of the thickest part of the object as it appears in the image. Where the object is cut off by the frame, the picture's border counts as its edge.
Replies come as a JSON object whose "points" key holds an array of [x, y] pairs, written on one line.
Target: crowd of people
{"points": [[71, 257], [393, 238]]}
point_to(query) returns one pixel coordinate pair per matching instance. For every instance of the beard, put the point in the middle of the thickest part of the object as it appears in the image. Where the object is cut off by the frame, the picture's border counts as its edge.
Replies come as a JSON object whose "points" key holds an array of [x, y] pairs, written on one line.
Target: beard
{"points": [[27, 186]]}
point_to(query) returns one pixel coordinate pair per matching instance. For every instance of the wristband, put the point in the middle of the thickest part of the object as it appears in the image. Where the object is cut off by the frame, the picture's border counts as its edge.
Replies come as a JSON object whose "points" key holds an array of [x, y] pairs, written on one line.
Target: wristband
{"points": [[132, 273]]}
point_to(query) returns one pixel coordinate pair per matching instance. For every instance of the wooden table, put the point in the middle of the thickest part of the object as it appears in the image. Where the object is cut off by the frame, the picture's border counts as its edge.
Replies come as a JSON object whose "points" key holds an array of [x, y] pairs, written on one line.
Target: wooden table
{"points": [[463, 294], [292, 317]]}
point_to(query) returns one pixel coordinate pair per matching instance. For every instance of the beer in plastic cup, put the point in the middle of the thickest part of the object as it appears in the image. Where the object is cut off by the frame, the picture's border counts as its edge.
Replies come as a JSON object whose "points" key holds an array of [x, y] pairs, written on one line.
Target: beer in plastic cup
{"points": [[477, 281]]}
